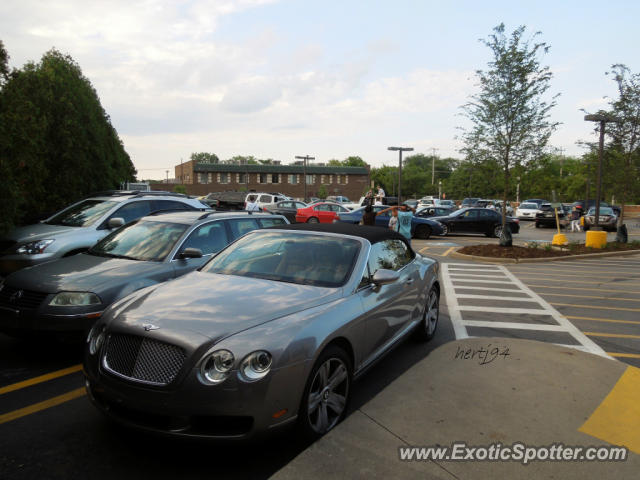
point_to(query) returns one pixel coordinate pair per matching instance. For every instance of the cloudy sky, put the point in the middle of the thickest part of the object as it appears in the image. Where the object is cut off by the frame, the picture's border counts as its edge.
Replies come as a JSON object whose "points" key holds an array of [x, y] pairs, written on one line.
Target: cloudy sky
{"points": [[330, 79]]}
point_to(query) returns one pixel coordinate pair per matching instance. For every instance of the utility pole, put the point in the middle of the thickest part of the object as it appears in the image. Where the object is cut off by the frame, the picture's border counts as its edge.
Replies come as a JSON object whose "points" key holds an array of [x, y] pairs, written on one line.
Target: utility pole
{"points": [[400, 150], [306, 158], [433, 165], [561, 155]]}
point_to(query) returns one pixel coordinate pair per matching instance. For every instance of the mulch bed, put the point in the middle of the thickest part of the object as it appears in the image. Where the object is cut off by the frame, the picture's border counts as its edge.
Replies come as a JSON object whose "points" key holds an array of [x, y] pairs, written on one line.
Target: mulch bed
{"points": [[496, 251]]}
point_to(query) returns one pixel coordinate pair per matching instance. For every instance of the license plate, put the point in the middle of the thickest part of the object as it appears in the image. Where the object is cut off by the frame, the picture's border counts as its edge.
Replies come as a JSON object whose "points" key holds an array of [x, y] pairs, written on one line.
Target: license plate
{"points": [[549, 215]]}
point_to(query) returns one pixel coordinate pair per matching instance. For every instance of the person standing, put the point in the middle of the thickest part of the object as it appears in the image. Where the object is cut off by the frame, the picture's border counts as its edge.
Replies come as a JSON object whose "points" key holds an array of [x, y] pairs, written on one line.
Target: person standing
{"points": [[380, 195], [405, 219], [368, 217], [575, 219], [252, 205]]}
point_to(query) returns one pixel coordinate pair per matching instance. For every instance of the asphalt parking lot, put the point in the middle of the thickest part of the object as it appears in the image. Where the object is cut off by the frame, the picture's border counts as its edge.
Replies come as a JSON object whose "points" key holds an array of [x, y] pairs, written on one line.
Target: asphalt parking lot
{"points": [[48, 429]]}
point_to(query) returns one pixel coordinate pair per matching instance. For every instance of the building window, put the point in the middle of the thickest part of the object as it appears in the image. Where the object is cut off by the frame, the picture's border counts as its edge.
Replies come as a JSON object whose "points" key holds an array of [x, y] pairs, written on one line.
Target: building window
{"points": [[275, 178], [262, 178], [242, 178], [311, 179], [293, 179], [202, 178], [330, 179], [224, 178]]}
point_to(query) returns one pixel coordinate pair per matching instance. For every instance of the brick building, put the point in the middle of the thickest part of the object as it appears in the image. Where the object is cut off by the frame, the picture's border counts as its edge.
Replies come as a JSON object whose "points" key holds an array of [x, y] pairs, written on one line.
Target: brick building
{"points": [[202, 178]]}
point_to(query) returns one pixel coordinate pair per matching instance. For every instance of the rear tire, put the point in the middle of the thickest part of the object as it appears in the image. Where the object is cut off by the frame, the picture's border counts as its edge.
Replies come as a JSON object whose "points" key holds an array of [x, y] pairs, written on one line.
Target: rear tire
{"points": [[326, 395], [497, 231], [313, 220]]}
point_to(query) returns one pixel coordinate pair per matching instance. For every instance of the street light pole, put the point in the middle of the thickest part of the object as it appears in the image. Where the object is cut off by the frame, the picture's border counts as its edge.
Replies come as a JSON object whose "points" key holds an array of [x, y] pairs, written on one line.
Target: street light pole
{"points": [[433, 165], [602, 119], [518, 191], [439, 189], [306, 158], [400, 150]]}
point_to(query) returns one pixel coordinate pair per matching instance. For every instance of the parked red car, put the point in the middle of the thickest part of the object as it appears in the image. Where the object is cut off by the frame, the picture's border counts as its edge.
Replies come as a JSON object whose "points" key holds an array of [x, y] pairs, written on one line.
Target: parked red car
{"points": [[324, 212]]}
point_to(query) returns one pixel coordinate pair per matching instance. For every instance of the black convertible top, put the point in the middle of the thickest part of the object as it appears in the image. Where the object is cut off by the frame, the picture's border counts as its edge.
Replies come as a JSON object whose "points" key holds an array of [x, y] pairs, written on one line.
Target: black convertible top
{"points": [[373, 234]]}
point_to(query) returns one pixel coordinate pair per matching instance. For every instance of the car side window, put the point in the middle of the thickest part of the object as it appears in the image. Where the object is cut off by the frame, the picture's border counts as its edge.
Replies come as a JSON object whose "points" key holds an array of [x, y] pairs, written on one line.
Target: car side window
{"points": [[270, 222], [299, 205], [323, 207], [265, 199], [471, 214], [208, 238], [486, 215], [389, 254], [285, 205], [240, 226], [169, 205], [133, 211]]}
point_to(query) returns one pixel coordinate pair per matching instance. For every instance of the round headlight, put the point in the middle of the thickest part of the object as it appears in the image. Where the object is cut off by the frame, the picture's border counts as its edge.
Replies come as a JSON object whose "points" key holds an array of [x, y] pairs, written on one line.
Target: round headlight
{"points": [[255, 366], [216, 367], [96, 338]]}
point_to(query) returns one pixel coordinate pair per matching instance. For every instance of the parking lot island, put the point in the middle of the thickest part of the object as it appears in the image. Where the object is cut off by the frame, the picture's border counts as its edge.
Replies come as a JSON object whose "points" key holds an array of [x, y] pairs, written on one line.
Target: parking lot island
{"points": [[484, 392]]}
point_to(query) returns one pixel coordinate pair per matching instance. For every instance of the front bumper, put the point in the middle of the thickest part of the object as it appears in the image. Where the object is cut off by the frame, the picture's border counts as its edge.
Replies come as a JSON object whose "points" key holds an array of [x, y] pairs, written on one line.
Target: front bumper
{"points": [[20, 321], [233, 410], [13, 263]]}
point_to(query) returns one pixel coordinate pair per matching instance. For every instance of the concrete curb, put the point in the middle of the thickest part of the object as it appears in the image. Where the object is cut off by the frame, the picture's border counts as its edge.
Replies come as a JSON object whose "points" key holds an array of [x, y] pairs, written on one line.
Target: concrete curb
{"points": [[462, 256]]}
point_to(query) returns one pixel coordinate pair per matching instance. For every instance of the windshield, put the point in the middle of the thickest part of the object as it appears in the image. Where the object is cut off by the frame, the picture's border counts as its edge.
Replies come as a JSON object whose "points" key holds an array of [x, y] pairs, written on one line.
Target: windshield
{"points": [[529, 206], [457, 213], [83, 214], [286, 257], [150, 241]]}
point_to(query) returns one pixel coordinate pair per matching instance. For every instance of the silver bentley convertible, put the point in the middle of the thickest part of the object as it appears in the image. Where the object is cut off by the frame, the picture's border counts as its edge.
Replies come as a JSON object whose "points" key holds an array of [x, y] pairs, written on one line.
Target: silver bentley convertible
{"points": [[270, 331]]}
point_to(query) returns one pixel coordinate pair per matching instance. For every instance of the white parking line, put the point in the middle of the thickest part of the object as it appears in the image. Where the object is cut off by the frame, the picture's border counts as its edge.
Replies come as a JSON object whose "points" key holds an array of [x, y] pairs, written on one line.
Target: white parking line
{"points": [[452, 279]]}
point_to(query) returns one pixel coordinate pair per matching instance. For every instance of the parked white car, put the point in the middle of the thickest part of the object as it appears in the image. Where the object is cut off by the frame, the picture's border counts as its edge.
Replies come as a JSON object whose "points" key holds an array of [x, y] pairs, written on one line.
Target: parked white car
{"points": [[527, 210], [264, 200]]}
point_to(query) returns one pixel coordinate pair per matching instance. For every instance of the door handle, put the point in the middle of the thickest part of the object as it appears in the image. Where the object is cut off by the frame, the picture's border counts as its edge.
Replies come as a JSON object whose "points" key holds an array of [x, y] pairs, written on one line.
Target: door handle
{"points": [[409, 282]]}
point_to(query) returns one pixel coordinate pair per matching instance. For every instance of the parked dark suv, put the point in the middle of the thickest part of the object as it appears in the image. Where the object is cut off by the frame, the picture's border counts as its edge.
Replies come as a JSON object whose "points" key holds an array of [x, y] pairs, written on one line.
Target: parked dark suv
{"points": [[82, 224]]}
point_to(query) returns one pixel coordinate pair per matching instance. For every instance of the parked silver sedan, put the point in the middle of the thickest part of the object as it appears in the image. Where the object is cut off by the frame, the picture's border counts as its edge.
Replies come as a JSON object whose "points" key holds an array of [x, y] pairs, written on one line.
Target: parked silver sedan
{"points": [[271, 331]]}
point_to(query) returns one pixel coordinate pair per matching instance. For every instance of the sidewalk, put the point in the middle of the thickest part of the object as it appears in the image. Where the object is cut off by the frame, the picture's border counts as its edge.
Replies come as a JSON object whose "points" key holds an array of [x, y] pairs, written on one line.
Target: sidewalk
{"points": [[540, 394]]}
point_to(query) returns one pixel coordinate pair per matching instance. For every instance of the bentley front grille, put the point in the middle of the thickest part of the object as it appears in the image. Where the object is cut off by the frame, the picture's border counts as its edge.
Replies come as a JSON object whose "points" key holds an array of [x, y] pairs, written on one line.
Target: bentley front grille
{"points": [[142, 359]]}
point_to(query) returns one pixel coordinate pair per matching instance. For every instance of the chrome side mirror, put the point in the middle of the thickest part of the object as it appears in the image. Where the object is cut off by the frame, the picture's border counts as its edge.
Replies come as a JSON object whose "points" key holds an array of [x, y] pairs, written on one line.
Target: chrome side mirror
{"points": [[115, 222]]}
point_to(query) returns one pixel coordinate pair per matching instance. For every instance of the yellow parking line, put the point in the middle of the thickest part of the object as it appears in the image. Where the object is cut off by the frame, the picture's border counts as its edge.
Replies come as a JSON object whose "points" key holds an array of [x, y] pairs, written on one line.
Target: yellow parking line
{"points": [[584, 288], [606, 320], [423, 249], [624, 355], [37, 407], [617, 418], [593, 296], [595, 306], [610, 335], [448, 251], [40, 379]]}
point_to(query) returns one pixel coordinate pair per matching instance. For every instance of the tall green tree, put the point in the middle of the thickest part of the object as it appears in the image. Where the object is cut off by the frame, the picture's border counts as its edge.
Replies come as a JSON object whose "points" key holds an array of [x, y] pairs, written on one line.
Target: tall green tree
{"points": [[204, 157], [509, 115], [57, 139], [625, 135]]}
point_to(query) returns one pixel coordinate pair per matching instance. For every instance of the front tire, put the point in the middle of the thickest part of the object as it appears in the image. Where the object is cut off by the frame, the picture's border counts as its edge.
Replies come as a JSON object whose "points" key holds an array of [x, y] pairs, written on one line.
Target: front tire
{"points": [[445, 230], [497, 231], [429, 324], [327, 393]]}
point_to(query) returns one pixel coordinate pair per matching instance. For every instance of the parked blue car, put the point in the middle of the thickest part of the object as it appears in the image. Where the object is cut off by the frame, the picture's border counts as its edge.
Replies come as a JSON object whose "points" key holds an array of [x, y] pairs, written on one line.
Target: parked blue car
{"points": [[421, 228]]}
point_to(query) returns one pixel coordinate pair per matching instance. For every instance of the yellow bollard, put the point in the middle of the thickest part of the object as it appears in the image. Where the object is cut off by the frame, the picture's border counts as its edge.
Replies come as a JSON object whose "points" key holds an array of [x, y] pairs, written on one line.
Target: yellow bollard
{"points": [[596, 239], [559, 238]]}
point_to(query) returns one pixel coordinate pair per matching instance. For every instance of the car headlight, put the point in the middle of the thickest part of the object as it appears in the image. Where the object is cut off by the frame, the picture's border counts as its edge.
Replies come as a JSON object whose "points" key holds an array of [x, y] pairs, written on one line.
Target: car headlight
{"points": [[33, 248], [216, 367], [70, 299], [96, 337], [255, 366]]}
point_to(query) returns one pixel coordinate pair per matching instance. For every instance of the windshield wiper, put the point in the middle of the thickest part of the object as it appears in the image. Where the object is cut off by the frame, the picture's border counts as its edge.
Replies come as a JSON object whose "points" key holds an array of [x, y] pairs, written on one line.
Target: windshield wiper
{"points": [[111, 255]]}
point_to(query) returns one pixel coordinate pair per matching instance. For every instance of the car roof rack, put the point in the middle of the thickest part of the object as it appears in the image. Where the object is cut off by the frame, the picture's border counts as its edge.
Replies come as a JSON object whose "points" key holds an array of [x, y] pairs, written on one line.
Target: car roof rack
{"points": [[168, 210], [137, 193], [207, 214]]}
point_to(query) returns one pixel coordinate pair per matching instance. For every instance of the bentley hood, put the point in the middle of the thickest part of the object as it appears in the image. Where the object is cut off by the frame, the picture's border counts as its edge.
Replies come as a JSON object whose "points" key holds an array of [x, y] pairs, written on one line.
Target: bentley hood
{"points": [[216, 305]]}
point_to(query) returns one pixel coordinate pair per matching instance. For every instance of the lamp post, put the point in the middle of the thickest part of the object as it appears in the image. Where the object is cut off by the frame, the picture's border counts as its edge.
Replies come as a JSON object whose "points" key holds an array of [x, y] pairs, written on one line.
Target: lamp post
{"points": [[400, 150], [439, 189], [306, 158], [518, 191], [602, 119]]}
